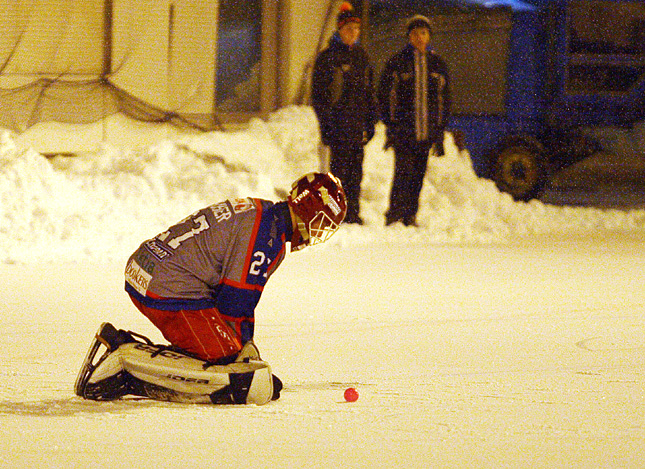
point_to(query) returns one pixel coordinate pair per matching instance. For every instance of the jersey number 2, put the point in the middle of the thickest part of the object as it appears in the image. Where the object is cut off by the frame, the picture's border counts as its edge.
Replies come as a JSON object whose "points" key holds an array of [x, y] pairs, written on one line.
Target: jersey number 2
{"points": [[259, 257]]}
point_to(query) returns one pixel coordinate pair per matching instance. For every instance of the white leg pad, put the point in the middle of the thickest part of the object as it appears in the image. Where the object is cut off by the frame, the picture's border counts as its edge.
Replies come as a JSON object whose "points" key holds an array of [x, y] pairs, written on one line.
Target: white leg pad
{"points": [[112, 365], [184, 374], [261, 389]]}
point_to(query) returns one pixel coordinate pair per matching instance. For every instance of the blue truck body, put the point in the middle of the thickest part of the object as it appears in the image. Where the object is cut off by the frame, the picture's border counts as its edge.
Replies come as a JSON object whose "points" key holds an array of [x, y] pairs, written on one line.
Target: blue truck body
{"points": [[531, 78], [547, 118]]}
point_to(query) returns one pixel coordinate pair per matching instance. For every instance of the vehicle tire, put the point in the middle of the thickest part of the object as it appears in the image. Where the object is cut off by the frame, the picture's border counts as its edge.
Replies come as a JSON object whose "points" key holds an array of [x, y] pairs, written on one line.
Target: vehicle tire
{"points": [[520, 171]]}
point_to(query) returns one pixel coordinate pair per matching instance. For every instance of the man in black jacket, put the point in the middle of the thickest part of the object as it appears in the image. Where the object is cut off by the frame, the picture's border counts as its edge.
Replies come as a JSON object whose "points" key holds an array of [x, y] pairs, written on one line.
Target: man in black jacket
{"points": [[345, 105], [414, 96]]}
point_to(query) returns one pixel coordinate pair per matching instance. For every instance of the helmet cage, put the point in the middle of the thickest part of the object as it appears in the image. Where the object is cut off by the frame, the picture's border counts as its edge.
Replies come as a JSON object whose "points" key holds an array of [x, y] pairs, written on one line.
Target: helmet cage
{"points": [[321, 228]]}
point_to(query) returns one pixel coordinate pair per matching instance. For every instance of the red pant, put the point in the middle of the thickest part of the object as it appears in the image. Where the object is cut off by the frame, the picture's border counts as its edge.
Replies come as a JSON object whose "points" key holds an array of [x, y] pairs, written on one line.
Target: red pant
{"points": [[201, 332]]}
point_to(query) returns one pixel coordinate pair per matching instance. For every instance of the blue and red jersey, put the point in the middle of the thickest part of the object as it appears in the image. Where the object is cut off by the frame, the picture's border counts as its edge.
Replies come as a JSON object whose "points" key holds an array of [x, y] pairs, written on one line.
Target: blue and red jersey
{"points": [[220, 256]]}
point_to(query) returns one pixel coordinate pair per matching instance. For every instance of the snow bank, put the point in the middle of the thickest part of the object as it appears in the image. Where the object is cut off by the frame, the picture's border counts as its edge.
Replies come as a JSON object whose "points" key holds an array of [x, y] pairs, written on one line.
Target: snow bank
{"points": [[100, 207]]}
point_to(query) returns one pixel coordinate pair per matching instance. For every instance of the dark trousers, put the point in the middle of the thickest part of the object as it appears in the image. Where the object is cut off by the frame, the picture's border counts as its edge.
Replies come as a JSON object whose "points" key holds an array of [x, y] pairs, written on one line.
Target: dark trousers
{"points": [[346, 163], [410, 163]]}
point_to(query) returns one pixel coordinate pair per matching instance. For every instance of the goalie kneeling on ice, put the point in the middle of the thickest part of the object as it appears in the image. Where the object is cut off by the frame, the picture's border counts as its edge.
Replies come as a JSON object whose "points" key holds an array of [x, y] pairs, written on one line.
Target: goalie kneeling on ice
{"points": [[158, 373]]}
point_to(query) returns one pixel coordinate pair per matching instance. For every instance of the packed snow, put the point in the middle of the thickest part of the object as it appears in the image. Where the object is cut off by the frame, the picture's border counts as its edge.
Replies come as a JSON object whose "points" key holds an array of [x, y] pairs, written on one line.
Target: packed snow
{"points": [[102, 206], [496, 334]]}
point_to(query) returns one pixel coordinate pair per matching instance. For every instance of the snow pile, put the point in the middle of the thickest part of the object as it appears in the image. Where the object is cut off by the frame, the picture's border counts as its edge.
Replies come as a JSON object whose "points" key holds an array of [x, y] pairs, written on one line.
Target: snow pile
{"points": [[464, 207], [100, 207]]}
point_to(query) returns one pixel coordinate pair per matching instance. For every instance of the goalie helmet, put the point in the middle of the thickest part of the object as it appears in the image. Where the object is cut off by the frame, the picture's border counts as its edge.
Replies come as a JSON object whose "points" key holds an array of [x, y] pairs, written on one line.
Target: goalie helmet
{"points": [[319, 205]]}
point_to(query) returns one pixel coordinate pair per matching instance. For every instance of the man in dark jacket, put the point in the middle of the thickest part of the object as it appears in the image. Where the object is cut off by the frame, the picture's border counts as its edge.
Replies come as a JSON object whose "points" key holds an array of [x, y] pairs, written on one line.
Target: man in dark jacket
{"points": [[344, 101], [414, 95]]}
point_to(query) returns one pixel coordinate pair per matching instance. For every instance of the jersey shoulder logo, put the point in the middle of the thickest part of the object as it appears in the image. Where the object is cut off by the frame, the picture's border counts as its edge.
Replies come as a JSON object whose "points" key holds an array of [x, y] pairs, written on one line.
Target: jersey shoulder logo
{"points": [[242, 205], [156, 249]]}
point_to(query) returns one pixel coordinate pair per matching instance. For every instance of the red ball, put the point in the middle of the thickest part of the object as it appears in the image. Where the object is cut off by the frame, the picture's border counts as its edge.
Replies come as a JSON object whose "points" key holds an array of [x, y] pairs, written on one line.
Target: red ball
{"points": [[351, 395]]}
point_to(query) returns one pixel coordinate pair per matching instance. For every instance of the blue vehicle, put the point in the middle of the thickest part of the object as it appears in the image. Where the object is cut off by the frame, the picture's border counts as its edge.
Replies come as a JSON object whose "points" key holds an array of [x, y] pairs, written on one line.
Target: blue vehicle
{"points": [[532, 79]]}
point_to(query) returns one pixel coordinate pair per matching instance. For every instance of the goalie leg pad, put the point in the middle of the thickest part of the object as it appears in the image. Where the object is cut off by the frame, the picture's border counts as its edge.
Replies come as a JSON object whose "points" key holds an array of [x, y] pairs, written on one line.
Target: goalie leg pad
{"points": [[156, 372], [261, 389], [174, 376]]}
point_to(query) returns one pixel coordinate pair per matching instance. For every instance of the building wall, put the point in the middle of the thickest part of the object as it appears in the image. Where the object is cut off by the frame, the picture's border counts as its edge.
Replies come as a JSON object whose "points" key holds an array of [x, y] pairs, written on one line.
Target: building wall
{"points": [[164, 52], [304, 31]]}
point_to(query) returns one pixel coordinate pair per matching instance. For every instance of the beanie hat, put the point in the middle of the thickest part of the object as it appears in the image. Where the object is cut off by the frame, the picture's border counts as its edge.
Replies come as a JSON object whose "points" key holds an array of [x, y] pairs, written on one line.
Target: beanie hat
{"points": [[347, 15], [418, 21]]}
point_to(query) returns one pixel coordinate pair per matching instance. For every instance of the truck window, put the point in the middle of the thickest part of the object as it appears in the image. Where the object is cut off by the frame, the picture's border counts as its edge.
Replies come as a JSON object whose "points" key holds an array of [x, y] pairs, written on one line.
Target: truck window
{"points": [[605, 46]]}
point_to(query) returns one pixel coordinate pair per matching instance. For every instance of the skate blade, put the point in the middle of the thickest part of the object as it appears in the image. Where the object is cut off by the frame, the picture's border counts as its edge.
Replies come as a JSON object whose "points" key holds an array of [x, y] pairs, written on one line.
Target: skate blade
{"points": [[88, 366]]}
